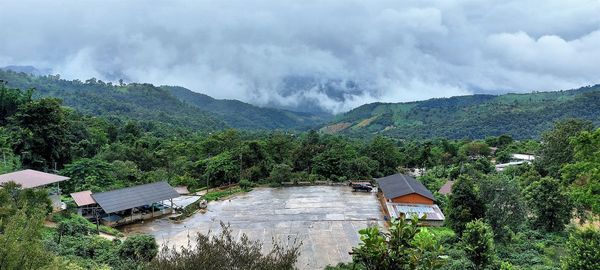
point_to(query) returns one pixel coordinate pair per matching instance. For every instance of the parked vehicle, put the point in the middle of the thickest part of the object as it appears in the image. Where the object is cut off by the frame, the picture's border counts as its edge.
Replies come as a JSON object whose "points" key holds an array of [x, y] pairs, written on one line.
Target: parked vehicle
{"points": [[361, 186]]}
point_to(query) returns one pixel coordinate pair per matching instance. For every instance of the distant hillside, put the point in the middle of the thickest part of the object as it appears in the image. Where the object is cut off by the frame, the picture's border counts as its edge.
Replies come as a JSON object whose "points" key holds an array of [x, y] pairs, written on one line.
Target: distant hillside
{"points": [[243, 115], [173, 106], [476, 116]]}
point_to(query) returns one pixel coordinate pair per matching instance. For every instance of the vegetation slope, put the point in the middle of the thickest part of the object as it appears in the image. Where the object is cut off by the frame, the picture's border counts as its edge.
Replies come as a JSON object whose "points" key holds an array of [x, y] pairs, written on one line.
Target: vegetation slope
{"points": [[475, 116], [171, 106]]}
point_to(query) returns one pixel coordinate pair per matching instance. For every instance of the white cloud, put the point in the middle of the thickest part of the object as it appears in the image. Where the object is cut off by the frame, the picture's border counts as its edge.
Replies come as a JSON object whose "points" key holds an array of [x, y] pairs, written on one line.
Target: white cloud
{"points": [[394, 50]]}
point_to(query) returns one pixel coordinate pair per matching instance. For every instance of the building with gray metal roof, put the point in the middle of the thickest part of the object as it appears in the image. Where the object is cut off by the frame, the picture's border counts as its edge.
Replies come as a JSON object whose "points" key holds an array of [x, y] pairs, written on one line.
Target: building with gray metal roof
{"points": [[398, 185], [132, 197]]}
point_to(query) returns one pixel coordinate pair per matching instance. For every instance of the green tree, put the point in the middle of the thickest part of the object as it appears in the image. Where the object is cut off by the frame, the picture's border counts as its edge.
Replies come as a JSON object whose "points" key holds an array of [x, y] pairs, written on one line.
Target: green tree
{"points": [[478, 242], [310, 146], [406, 246], [41, 134], [221, 169], [583, 250], [556, 148], [386, 153], [280, 173], [505, 207], [465, 204], [583, 176], [139, 247], [88, 173], [333, 162], [21, 241], [549, 204], [10, 101], [474, 149], [22, 213]]}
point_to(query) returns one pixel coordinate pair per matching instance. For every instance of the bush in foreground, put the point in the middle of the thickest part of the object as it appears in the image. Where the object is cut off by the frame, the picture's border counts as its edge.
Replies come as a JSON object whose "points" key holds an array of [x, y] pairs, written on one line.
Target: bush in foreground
{"points": [[222, 252]]}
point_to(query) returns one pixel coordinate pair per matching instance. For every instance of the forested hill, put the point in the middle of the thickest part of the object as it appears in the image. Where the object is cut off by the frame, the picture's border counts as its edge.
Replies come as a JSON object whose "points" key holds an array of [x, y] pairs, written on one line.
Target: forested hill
{"points": [[243, 115], [476, 116], [172, 106]]}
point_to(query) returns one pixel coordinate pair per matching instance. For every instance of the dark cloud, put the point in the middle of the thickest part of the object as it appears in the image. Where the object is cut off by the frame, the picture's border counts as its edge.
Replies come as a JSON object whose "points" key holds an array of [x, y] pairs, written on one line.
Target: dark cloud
{"points": [[329, 55]]}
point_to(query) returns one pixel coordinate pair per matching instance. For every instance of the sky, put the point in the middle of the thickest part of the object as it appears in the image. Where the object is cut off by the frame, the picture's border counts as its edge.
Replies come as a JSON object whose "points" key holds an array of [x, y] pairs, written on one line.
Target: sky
{"points": [[307, 55]]}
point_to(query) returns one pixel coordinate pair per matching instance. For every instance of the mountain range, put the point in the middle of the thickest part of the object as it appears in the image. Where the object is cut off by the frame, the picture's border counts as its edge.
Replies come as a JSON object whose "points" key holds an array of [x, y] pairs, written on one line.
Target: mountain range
{"points": [[474, 116], [170, 105]]}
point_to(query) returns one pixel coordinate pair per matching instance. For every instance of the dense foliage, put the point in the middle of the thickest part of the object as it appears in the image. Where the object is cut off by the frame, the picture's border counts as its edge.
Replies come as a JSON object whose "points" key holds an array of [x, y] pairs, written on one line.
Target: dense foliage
{"points": [[173, 107], [519, 218], [521, 116]]}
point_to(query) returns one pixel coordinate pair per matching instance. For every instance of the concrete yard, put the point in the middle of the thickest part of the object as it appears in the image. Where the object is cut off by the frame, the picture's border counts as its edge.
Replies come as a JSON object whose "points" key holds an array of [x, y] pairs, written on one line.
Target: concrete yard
{"points": [[325, 218]]}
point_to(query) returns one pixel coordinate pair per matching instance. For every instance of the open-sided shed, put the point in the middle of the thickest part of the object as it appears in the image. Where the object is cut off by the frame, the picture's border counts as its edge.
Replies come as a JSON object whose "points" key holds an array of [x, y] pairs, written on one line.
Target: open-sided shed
{"points": [[37, 179], [135, 203]]}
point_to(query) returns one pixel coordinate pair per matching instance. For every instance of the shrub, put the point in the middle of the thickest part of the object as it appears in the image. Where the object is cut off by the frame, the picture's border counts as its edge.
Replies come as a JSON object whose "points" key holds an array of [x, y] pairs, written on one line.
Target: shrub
{"points": [[245, 184], [140, 247]]}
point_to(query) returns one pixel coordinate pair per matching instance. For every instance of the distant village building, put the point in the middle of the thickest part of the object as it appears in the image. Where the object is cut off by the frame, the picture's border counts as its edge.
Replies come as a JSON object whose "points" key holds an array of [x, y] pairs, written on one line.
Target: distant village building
{"points": [[37, 179], [446, 189], [522, 157], [405, 197], [126, 205], [515, 159]]}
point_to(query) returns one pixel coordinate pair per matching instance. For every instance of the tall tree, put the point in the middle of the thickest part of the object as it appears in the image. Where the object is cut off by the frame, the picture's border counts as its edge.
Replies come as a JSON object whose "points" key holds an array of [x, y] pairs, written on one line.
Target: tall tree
{"points": [[385, 152], [556, 148], [10, 101], [550, 205], [583, 175], [505, 207], [465, 204], [41, 134], [478, 242]]}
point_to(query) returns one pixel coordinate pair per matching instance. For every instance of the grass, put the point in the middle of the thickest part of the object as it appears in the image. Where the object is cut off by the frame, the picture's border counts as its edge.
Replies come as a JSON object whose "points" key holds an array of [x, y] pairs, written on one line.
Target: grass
{"points": [[217, 195]]}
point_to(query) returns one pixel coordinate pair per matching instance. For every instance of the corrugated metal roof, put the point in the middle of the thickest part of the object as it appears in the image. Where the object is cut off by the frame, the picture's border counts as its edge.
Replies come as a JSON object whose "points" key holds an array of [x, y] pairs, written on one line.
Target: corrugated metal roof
{"points": [[83, 198], [397, 185], [446, 188], [127, 198], [431, 211], [31, 178]]}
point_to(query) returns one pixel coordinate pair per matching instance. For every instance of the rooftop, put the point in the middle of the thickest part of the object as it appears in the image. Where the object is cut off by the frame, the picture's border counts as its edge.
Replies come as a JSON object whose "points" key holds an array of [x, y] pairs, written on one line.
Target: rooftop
{"points": [[83, 198], [131, 197], [31, 178], [446, 188], [432, 212], [397, 185]]}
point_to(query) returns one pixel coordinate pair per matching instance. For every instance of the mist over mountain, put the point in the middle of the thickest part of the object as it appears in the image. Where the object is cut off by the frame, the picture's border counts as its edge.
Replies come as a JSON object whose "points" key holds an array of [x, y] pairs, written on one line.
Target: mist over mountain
{"points": [[302, 56]]}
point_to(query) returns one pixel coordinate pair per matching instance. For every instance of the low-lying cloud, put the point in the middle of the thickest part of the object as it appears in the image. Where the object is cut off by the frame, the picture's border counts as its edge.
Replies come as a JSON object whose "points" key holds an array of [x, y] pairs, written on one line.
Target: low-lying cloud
{"points": [[312, 55]]}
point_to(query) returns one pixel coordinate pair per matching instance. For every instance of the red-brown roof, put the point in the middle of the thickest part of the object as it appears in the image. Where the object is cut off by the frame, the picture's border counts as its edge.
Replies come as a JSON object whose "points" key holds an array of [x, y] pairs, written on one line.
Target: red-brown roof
{"points": [[446, 188], [31, 178], [83, 198]]}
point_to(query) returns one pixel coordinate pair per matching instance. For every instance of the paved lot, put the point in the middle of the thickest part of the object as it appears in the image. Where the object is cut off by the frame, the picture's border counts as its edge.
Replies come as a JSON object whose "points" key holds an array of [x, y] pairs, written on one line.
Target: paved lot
{"points": [[325, 218]]}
